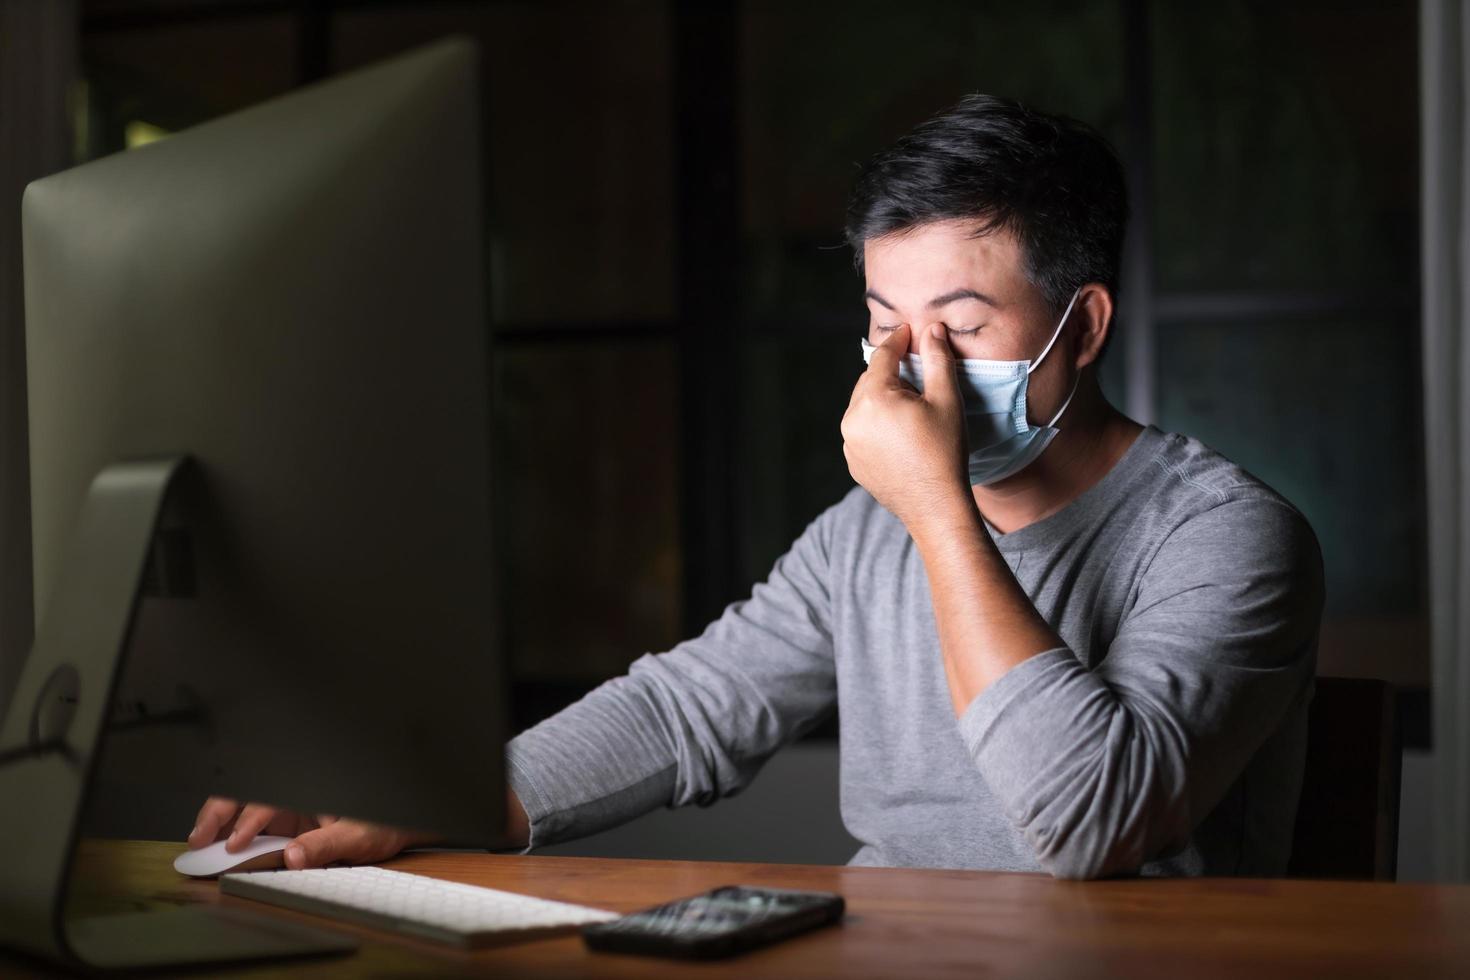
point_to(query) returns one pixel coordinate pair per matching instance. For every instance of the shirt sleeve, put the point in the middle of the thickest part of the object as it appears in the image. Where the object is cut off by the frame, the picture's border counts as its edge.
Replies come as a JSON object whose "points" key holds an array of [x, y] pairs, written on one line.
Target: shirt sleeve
{"points": [[1105, 769], [695, 723]]}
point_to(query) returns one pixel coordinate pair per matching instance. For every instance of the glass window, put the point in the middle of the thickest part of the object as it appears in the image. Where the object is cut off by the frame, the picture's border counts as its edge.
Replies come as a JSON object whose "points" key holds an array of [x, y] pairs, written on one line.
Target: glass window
{"points": [[1286, 140], [579, 116]]}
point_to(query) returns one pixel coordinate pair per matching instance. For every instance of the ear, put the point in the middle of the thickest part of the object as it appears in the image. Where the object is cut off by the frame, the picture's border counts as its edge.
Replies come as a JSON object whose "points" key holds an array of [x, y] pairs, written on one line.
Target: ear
{"points": [[1092, 318]]}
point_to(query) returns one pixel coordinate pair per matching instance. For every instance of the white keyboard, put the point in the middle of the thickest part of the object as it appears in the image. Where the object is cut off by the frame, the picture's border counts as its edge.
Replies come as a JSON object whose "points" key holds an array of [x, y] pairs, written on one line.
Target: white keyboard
{"points": [[427, 908]]}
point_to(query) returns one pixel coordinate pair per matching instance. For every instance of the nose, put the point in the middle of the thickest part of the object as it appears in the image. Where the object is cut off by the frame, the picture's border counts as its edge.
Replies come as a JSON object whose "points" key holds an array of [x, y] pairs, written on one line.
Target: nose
{"points": [[916, 335], [913, 339]]}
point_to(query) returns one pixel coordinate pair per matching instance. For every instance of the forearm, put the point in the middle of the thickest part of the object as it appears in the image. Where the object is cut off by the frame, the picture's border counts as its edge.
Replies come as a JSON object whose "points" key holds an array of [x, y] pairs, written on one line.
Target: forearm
{"points": [[986, 622], [597, 763], [1109, 765]]}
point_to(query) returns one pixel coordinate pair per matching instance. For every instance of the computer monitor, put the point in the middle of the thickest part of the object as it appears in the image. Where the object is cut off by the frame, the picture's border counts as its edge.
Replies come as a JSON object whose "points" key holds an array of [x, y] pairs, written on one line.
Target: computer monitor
{"points": [[290, 300]]}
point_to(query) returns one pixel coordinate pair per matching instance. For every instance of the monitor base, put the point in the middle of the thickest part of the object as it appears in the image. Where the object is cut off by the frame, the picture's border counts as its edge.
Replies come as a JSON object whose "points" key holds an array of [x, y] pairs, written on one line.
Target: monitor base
{"points": [[49, 746], [195, 935]]}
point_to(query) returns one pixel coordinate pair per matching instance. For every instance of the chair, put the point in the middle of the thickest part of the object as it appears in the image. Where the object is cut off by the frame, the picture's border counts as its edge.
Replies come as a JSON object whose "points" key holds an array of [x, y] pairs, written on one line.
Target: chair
{"points": [[1348, 819]]}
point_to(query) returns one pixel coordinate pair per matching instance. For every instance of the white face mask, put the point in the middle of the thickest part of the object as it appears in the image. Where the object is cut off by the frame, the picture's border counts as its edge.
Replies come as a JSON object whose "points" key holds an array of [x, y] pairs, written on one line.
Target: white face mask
{"points": [[1002, 442]]}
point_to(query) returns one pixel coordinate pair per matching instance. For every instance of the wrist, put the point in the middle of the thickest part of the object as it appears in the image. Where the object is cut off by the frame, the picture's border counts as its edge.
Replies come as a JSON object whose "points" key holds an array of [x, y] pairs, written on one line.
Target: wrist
{"points": [[945, 518], [410, 839]]}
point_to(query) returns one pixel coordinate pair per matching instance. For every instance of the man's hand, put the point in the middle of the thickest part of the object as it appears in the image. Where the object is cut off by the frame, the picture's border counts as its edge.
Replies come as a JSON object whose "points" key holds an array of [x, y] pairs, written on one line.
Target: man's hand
{"points": [[908, 449], [320, 840]]}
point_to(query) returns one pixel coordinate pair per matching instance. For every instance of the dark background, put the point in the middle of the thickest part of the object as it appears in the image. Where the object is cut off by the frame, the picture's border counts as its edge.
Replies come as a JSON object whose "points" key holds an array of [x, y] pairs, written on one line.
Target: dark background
{"points": [[675, 327], [675, 324]]}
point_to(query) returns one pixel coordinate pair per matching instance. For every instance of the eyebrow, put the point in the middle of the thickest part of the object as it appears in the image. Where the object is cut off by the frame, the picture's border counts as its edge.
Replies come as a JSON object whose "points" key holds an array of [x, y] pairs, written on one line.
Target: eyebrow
{"points": [[938, 301]]}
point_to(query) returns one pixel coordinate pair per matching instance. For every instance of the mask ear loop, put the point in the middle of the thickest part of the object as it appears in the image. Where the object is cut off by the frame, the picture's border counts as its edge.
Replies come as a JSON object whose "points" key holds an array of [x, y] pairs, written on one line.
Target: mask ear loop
{"points": [[1055, 334], [1034, 364], [1054, 418]]}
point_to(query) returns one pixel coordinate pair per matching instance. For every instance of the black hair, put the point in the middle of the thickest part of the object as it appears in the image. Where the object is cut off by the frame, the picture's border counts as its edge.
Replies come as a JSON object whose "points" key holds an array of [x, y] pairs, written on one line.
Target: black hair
{"points": [[1053, 182]]}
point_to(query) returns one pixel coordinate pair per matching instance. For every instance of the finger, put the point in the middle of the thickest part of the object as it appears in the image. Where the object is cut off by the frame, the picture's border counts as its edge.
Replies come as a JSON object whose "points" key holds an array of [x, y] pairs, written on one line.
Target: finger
{"points": [[342, 840], [289, 823], [215, 815], [887, 355], [252, 820], [940, 386]]}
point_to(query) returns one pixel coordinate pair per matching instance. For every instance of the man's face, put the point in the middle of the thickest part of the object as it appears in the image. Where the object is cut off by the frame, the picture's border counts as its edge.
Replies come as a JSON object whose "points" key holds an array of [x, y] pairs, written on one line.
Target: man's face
{"points": [[940, 273]]}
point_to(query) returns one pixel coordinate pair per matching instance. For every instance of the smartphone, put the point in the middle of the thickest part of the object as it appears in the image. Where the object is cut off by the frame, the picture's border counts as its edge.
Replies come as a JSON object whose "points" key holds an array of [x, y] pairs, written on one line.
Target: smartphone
{"points": [[721, 922]]}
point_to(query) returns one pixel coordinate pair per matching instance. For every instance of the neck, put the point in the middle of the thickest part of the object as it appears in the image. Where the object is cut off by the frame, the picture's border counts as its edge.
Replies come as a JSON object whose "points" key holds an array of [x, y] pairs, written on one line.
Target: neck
{"points": [[1092, 436]]}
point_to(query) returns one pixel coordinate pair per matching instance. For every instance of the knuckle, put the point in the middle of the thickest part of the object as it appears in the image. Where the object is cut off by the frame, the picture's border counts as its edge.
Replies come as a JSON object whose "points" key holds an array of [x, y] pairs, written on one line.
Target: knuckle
{"points": [[219, 808], [258, 815]]}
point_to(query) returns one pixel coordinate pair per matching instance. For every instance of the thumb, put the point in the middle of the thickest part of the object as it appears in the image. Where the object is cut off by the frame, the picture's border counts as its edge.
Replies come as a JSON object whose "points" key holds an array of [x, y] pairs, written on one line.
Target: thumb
{"points": [[940, 386], [319, 848]]}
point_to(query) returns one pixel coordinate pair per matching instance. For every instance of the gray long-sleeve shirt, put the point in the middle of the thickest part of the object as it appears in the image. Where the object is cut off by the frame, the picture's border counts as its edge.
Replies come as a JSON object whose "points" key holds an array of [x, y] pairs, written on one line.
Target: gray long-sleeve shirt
{"points": [[1166, 737]]}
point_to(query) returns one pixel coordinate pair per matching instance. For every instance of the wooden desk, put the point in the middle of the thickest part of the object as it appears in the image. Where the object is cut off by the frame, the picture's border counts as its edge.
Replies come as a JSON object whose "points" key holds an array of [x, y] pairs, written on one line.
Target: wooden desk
{"points": [[900, 922]]}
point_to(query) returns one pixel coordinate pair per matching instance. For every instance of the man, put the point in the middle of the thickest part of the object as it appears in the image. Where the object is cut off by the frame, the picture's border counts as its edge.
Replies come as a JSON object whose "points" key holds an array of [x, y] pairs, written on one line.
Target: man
{"points": [[1058, 640]]}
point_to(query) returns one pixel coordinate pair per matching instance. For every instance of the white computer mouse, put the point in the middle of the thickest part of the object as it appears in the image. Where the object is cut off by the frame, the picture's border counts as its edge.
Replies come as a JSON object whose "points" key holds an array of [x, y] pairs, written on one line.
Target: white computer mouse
{"points": [[260, 854]]}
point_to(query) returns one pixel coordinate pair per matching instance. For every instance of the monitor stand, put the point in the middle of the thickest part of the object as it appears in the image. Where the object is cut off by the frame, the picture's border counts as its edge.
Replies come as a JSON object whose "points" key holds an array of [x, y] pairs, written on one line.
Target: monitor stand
{"points": [[48, 749]]}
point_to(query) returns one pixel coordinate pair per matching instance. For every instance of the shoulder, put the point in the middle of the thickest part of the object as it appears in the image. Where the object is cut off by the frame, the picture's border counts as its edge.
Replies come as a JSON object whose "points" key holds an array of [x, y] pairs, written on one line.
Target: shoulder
{"points": [[1209, 510], [1191, 467], [1192, 479], [1228, 561]]}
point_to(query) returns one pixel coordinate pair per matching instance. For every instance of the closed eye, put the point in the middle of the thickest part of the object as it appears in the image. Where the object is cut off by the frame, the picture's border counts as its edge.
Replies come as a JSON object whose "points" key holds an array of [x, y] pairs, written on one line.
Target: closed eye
{"points": [[956, 332]]}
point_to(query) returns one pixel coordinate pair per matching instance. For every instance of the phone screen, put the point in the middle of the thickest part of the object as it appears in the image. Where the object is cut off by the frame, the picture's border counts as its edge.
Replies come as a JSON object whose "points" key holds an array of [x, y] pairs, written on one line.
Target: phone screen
{"points": [[718, 922], [720, 911]]}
